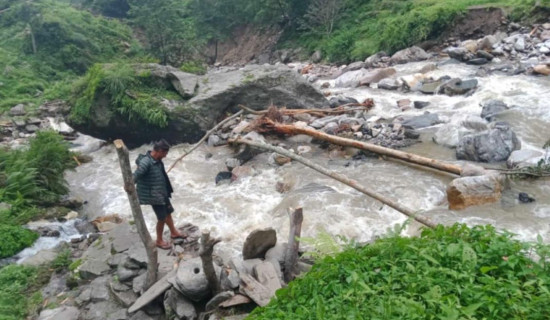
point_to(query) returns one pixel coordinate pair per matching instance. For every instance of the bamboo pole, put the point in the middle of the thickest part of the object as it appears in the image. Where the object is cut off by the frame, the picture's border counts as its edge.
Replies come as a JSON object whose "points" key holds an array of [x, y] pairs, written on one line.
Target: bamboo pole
{"points": [[401, 155], [130, 189], [339, 177], [205, 252], [204, 138], [291, 256]]}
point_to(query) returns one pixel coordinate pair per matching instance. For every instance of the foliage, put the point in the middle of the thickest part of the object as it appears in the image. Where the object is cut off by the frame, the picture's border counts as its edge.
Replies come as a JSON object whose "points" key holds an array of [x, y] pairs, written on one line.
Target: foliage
{"points": [[130, 94], [19, 290], [62, 261], [14, 239], [194, 67], [452, 272], [321, 16]]}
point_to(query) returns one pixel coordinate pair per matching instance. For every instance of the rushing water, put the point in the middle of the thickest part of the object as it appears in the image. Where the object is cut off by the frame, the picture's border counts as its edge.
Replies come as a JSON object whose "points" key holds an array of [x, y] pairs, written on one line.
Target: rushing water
{"points": [[233, 210]]}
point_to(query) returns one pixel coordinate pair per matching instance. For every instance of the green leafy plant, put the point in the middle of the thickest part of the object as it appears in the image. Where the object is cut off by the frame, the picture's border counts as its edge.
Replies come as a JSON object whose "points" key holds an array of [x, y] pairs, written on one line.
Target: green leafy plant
{"points": [[14, 239], [453, 272], [62, 261]]}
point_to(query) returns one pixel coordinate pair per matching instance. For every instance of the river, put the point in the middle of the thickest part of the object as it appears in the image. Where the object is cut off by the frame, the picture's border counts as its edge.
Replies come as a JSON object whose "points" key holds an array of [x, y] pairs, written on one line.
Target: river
{"points": [[233, 210]]}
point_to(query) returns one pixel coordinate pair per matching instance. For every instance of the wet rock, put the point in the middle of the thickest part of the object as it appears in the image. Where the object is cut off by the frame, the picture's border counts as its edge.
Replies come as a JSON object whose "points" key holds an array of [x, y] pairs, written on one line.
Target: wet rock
{"points": [[477, 61], [125, 298], [422, 121], [491, 108], [258, 242], [232, 163], [375, 60], [404, 104], [191, 281], [409, 55], [388, 84], [421, 104], [459, 53], [525, 198], [316, 56], [484, 54], [472, 170], [523, 158], [493, 145], [338, 101], [223, 176], [229, 279], [430, 87], [487, 42], [375, 76], [412, 82], [18, 110], [458, 86], [177, 305], [543, 69], [65, 313], [241, 172], [354, 66], [472, 191]]}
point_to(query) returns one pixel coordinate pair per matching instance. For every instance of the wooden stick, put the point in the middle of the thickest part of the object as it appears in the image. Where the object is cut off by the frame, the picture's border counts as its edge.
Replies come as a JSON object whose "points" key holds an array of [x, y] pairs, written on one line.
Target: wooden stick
{"points": [[150, 247], [339, 177], [204, 138], [291, 255], [205, 252], [321, 112], [401, 155]]}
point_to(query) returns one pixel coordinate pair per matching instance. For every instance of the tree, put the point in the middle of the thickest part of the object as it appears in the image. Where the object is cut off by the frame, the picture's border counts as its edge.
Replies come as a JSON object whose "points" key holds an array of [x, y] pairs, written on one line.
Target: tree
{"points": [[321, 16]]}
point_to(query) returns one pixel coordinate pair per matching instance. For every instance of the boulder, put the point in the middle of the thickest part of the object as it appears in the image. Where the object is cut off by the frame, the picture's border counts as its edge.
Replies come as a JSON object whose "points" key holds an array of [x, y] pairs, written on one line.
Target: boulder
{"points": [[491, 108], [191, 281], [351, 79], [523, 158], [543, 69], [422, 121], [409, 55], [340, 100], [493, 145], [65, 313], [316, 56], [177, 305], [375, 76], [94, 260], [471, 191], [459, 53], [457, 86], [18, 110], [375, 60], [354, 66], [388, 84], [487, 42], [216, 94], [258, 242]]}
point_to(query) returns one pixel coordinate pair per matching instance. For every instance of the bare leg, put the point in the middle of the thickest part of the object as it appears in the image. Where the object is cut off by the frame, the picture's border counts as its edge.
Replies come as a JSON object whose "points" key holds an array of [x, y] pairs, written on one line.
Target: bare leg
{"points": [[160, 229], [173, 231]]}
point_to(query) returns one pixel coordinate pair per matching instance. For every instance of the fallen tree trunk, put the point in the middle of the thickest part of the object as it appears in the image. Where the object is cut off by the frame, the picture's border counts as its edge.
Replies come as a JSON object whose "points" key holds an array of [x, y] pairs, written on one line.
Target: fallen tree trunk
{"points": [[338, 177], [270, 126], [130, 189], [204, 138]]}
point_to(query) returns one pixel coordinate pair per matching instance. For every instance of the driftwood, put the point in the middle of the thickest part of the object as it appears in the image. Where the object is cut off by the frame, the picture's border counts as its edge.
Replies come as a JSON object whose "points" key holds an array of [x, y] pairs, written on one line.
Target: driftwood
{"points": [[150, 247], [206, 250], [291, 255], [365, 106], [204, 138], [267, 125], [339, 177]]}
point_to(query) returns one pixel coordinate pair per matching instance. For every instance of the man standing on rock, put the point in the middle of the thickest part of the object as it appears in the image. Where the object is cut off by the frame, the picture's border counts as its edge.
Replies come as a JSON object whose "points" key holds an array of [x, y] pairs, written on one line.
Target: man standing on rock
{"points": [[154, 188]]}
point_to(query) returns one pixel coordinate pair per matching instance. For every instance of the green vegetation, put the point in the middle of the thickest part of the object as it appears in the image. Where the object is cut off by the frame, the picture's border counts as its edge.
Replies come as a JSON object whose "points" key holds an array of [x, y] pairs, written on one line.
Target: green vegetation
{"points": [[451, 272], [14, 239], [129, 93], [19, 290]]}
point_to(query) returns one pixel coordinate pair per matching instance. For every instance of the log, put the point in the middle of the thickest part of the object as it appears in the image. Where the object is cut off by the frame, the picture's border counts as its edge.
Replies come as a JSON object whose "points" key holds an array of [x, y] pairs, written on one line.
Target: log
{"points": [[204, 138], [129, 187], [319, 112], [205, 252], [269, 125], [291, 256], [339, 177]]}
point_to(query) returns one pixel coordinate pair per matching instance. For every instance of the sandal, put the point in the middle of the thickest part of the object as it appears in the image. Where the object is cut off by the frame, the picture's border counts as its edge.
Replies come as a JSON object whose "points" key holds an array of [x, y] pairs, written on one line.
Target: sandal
{"points": [[164, 246], [179, 236]]}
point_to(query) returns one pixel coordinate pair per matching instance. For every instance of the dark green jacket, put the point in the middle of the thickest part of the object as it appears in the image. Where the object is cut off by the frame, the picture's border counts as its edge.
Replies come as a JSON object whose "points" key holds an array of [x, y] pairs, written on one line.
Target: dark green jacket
{"points": [[153, 185]]}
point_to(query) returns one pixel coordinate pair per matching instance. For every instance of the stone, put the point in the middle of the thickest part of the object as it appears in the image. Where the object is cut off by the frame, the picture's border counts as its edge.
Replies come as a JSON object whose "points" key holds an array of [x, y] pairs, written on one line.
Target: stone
{"points": [[525, 198], [153, 292], [61, 313], [258, 242], [388, 84], [375, 59], [31, 128], [338, 101], [18, 110], [217, 299], [267, 275], [543, 69], [409, 55], [430, 87], [459, 53], [491, 108], [477, 61], [177, 304], [524, 157], [184, 83], [223, 176], [493, 145], [123, 237], [458, 86], [236, 300], [232, 163], [255, 290], [43, 257], [125, 274], [141, 315], [422, 121], [487, 42], [191, 281], [471, 191], [413, 82], [241, 172], [229, 279], [420, 104], [99, 289], [281, 160], [257, 86], [484, 54], [404, 104], [375, 76], [354, 66], [104, 310], [351, 79], [316, 56], [138, 283], [94, 260], [277, 253], [214, 141], [471, 45], [19, 123], [124, 298]]}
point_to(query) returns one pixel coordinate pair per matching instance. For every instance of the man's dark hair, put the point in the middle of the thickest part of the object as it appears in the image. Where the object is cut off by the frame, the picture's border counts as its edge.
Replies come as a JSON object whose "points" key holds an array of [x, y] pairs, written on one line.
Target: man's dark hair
{"points": [[161, 145]]}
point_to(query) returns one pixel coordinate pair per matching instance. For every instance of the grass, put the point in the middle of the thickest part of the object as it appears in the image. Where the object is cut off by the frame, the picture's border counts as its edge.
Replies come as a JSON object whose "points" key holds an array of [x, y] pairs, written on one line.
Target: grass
{"points": [[452, 272]]}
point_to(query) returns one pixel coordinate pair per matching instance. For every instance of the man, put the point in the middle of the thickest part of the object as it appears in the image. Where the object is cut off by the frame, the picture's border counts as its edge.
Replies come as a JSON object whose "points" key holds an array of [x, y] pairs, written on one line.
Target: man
{"points": [[154, 188]]}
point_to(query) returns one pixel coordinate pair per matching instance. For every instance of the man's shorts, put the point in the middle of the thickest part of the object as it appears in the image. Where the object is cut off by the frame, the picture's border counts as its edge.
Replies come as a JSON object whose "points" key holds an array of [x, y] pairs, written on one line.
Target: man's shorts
{"points": [[164, 210]]}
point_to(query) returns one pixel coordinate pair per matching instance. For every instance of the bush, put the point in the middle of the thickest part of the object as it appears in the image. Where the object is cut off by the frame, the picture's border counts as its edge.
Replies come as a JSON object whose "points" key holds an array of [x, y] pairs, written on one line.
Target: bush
{"points": [[447, 273], [18, 291], [14, 239]]}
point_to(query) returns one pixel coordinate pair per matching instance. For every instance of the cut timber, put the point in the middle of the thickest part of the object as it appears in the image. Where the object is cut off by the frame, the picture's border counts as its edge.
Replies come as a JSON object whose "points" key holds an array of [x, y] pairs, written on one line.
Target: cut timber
{"points": [[204, 138], [156, 290], [129, 187], [291, 256], [269, 125], [339, 177]]}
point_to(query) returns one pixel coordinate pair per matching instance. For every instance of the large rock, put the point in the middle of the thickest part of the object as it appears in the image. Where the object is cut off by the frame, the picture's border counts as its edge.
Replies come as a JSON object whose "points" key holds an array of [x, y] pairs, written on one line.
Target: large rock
{"points": [[422, 121], [213, 96], [177, 305], [258, 242], [65, 313], [524, 158], [409, 55], [191, 281], [457, 86], [376, 75], [351, 79], [543, 69], [470, 191], [493, 145], [491, 108]]}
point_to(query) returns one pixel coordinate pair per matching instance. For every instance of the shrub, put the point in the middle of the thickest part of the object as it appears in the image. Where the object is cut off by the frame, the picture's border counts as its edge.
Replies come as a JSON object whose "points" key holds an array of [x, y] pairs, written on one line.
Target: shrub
{"points": [[452, 272], [18, 291], [14, 239]]}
